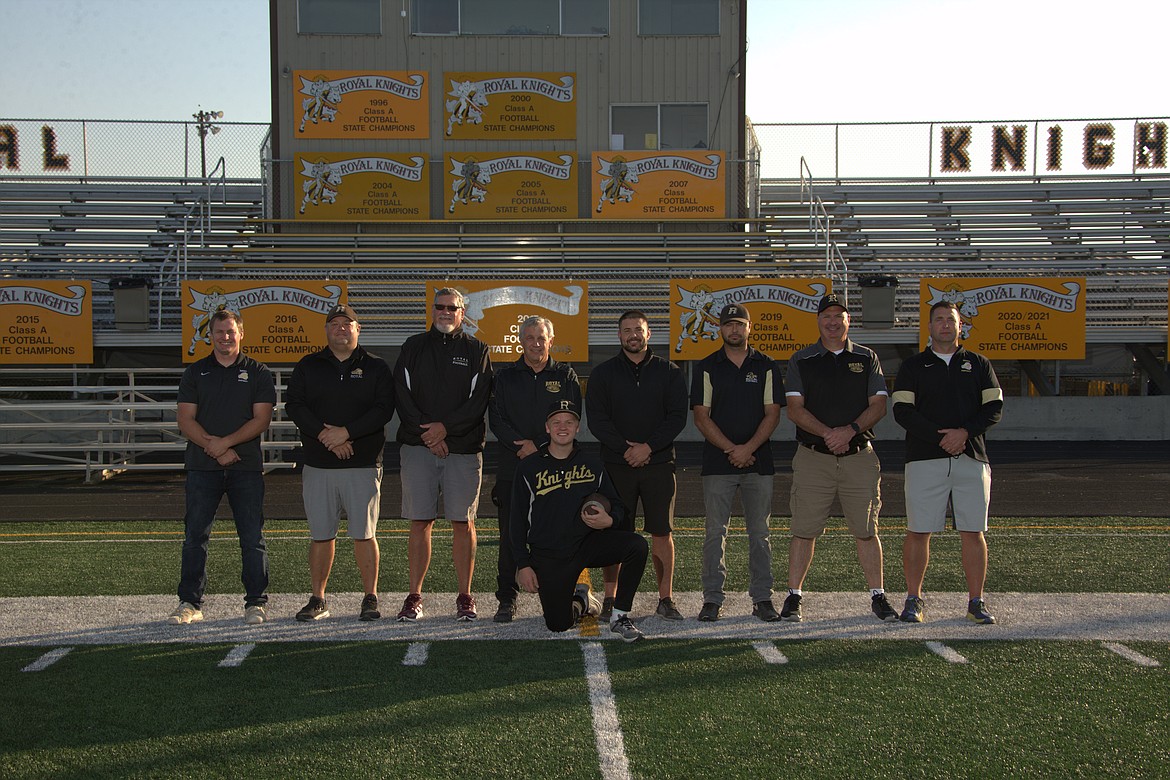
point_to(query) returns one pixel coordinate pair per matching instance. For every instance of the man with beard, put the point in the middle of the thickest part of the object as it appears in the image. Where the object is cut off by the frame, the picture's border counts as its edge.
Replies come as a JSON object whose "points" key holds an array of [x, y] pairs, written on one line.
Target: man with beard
{"points": [[836, 394], [442, 383], [636, 406], [521, 397], [341, 398], [736, 393]]}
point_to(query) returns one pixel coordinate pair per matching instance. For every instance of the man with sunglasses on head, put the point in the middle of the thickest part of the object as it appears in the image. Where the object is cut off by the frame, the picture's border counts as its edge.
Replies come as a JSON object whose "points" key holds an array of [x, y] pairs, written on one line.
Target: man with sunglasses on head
{"points": [[442, 384]]}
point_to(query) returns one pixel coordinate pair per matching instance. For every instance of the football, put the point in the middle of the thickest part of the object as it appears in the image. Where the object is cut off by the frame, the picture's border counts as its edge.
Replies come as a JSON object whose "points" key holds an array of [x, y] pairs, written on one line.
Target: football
{"points": [[595, 501]]}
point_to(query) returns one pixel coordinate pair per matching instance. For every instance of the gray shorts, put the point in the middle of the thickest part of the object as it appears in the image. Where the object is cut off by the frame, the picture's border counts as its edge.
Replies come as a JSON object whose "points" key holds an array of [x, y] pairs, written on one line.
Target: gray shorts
{"points": [[329, 492], [964, 481], [424, 476]]}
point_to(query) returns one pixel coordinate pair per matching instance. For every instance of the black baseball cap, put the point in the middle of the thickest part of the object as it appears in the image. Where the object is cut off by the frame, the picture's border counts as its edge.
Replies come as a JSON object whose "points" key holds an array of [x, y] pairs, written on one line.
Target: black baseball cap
{"points": [[733, 312], [564, 405], [832, 299], [341, 310]]}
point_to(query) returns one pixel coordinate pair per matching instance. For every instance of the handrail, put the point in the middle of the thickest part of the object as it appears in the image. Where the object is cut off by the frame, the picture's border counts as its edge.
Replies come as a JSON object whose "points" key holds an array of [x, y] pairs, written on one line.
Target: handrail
{"points": [[821, 221]]}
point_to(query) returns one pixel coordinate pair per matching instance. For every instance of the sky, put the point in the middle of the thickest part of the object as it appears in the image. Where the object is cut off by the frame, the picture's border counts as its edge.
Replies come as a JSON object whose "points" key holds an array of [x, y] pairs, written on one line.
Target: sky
{"points": [[808, 60]]}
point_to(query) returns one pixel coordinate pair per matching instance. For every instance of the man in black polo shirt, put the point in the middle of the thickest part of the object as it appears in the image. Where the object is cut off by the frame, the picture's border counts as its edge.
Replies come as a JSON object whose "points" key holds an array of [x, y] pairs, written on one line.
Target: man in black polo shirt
{"points": [[341, 398], [736, 394], [836, 394], [225, 403]]}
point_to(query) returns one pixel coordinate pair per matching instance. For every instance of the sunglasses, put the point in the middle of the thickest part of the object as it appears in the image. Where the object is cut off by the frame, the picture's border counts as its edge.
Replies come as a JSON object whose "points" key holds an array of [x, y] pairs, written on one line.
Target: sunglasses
{"points": [[447, 307]]}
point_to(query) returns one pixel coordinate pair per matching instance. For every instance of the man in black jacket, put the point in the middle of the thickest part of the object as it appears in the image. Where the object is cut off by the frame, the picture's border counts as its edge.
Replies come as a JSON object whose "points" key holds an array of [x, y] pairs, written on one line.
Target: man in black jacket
{"points": [[521, 396], [946, 398], [442, 382], [341, 399], [568, 517], [636, 406]]}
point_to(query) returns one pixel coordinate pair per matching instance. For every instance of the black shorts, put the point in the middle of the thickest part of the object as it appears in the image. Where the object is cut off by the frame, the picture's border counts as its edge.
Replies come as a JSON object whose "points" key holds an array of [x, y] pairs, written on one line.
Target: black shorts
{"points": [[655, 485]]}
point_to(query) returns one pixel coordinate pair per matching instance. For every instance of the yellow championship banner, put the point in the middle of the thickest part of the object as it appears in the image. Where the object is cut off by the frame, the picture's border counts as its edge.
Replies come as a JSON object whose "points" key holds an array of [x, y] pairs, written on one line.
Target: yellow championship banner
{"points": [[366, 187], [659, 185], [44, 321], [783, 312], [510, 106], [1013, 319], [378, 105], [530, 185], [284, 319], [495, 309]]}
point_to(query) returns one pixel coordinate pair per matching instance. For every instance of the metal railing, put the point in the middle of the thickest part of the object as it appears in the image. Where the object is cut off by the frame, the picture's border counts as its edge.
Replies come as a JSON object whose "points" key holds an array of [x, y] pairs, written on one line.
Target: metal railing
{"points": [[821, 225]]}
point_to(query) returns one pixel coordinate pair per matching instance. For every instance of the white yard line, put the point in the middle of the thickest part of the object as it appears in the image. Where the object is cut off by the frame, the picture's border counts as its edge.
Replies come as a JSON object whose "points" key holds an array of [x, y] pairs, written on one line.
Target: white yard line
{"points": [[949, 654], [769, 653], [416, 654], [1130, 654], [236, 655], [47, 660], [607, 730]]}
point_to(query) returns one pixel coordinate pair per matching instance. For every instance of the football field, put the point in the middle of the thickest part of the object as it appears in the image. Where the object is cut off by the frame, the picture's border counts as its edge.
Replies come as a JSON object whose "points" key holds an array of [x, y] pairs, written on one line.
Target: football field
{"points": [[1072, 682]]}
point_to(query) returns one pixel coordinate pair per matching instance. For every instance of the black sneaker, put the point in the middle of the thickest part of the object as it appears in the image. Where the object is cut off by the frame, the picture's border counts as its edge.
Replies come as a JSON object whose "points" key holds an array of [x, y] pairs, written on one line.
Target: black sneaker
{"points": [[882, 608], [765, 611], [710, 612], [625, 628], [667, 609], [791, 609], [914, 611], [505, 612], [606, 609], [977, 612], [314, 610], [369, 608]]}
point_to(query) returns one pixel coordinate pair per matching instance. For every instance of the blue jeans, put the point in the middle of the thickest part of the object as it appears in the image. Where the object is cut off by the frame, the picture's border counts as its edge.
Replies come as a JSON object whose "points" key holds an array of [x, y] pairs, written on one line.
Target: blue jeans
{"points": [[245, 492]]}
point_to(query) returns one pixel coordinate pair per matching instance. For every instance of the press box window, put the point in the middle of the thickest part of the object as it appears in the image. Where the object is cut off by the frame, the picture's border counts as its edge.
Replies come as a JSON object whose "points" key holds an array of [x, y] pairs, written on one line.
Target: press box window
{"points": [[666, 126], [678, 17], [510, 17], [339, 17]]}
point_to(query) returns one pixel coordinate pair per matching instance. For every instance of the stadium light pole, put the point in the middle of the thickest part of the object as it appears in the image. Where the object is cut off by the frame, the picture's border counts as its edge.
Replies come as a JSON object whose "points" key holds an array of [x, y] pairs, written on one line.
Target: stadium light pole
{"points": [[203, 122]]}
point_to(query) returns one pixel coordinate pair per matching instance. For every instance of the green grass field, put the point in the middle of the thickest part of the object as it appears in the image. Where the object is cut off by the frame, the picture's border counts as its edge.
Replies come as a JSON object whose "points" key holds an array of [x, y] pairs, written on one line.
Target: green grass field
{"points": [[837, 708]]}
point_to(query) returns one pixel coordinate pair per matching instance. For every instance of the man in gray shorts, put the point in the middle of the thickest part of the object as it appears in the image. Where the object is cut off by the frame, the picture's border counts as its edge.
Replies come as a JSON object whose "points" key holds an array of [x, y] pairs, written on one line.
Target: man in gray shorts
{"points": [[341, 399], [946, 398], [442, 384]]}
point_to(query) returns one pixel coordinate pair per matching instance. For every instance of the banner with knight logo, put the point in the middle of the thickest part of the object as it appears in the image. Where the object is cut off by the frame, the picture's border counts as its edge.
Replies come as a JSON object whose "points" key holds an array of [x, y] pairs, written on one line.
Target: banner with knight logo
{"points": [[378, 105], [510, 106], [46, 322], [659, 185], [284, 319], [1013, 319], [365, 187], [494, 311], [783, 312], [508, 185]]}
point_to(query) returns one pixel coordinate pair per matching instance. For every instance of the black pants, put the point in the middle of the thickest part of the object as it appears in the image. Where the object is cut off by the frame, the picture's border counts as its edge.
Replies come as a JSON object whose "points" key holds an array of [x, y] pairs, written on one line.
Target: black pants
{"points": [[557, 576], [506, 587]]}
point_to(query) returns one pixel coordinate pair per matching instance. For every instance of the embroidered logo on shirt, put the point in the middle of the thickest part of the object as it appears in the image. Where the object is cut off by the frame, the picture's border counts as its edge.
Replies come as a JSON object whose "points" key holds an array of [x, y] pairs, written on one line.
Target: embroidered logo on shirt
{"points": [[242, 376], [552, 386], [357, 373], [751, 378], [556, 478], [856, 368], [459, 360], [966, 365]]}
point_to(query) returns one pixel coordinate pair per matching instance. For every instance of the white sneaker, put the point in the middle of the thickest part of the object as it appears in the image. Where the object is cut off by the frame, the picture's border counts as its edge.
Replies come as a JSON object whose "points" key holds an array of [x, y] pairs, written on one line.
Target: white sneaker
{"points": [[255, 614], [185, 613]]}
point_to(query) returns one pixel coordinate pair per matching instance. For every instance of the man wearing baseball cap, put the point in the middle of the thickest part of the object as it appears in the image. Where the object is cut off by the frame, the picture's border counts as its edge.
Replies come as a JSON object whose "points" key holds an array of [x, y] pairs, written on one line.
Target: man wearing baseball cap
{"points": [[341, 398], [836, 394], [736, 395], [567, 517]]}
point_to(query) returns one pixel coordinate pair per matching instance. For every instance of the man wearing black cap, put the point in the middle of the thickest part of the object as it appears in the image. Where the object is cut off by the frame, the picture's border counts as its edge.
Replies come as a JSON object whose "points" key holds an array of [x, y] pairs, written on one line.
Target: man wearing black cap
{"points": [[567, 516], [836, 394], [736, 394], [341, 398]]}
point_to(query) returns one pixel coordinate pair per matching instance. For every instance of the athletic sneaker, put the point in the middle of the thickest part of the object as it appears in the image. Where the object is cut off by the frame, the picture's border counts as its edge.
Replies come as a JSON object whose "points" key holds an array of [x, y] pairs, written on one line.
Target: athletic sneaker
{"points": [[625, 628], [314, 610], [255, 614], [667, 609], [977, 612], [791, 609], [882, 608], [606, 609], [584, 602], [913, 612], [411, 608], [710, 612], [765, 611], [185, 613], [369, 609], [505, 612], [465, 608]]}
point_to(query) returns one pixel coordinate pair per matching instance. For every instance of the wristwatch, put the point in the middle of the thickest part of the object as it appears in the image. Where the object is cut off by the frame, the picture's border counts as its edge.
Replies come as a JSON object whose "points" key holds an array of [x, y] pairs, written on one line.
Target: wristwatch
{"points": [[856, 428]]}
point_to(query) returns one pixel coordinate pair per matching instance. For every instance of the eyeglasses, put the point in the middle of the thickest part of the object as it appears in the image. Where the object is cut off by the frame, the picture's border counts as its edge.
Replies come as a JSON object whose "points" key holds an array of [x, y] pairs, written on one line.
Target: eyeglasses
{"points": [[447, 307]]}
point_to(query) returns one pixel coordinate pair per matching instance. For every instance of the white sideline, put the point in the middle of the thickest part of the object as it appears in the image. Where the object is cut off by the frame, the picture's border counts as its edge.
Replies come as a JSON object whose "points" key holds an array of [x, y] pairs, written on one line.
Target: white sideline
{"points": [[236, 655], [416, 654], [949, 654], [607, 730], [769, 653], [1129, 654], [47, 660]]}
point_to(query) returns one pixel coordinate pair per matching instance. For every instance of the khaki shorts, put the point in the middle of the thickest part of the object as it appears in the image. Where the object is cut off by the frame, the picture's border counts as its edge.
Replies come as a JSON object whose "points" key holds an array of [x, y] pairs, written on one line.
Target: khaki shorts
{"points": [[424, 476], [930, 484], [818, 478], [329, 492]]}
